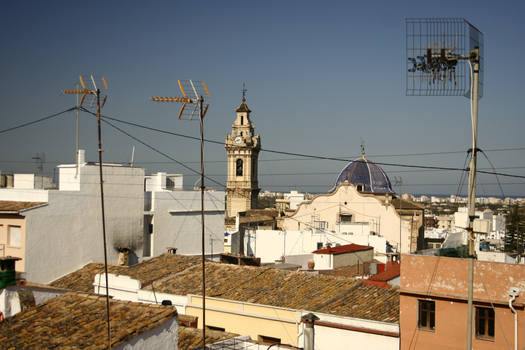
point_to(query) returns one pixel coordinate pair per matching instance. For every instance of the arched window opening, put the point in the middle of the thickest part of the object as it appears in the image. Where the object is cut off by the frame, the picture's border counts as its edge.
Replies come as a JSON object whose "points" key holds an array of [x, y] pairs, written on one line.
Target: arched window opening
{"points": [[238, 167], [242, 120]]}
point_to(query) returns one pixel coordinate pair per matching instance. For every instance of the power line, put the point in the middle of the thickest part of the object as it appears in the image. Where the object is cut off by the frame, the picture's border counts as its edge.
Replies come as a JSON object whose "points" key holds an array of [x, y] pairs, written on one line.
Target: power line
{"points": [[306, 155], [37, 121]]}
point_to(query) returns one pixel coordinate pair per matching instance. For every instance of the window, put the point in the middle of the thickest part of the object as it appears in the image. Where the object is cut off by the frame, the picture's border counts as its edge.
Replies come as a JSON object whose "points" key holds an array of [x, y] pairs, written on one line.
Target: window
{"points": [[360, 187], [319, 245], [484, 322], [345, 218], [14, 236], [242, 120], [427, 314], [320, 225], [238, 167]]}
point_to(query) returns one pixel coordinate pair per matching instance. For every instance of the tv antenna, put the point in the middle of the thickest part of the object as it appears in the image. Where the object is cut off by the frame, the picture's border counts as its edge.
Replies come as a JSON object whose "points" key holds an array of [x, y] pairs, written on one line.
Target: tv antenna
{"points": [[442, 53], [194, 95], [94, 93], [40, 159]]}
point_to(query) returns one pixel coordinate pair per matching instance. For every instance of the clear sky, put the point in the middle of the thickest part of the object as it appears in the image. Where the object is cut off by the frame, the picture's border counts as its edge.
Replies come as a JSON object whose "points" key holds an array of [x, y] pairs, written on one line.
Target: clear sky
{"points": [[322, 77]]}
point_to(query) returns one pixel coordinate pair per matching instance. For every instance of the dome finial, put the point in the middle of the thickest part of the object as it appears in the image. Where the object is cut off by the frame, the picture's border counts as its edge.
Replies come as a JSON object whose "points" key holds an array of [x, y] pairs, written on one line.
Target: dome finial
{"points": [[362, 149]]}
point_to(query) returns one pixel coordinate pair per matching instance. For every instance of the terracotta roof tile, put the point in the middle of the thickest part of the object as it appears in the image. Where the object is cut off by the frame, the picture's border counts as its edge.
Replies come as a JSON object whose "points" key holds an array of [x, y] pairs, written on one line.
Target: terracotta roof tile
{"points": [[77, 320], [296, 290], [15, 206], [392, 271], [191, 338], [145, 272]]}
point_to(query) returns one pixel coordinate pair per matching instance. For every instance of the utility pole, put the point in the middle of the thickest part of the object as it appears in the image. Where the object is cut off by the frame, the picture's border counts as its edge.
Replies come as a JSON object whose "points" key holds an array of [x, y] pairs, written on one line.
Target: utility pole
{"points": [[194, 93], [435, 49], [96, 93]]}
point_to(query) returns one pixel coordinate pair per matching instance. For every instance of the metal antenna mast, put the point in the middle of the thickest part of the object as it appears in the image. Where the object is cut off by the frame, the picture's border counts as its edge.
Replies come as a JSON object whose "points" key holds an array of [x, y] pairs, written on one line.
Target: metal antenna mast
{"points": [[195, 93], [95, 92], [442, 54]]}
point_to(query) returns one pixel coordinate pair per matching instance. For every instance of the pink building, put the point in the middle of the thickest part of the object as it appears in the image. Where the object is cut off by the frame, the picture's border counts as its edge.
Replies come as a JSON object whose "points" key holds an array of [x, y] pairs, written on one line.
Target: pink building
{"points": [[433, 304]]}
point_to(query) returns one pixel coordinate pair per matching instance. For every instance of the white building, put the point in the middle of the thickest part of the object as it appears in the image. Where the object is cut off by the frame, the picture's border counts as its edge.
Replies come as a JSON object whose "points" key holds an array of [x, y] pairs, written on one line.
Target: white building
{"points": [[295, 198], [62, 230], [173, 220], [65, 232]]}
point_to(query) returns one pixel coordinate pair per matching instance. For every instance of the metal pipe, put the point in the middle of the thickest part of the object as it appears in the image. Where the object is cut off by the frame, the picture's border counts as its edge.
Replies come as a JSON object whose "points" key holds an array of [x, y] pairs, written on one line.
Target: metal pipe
{"points": [[201, 100], [103, 214], [515, 322], [474, 99]]}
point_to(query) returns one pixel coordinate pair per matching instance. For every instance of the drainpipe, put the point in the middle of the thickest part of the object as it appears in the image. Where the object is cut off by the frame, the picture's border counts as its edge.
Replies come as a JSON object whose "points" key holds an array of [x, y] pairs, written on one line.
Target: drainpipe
{"points": [[513, 293], [309, 334]]}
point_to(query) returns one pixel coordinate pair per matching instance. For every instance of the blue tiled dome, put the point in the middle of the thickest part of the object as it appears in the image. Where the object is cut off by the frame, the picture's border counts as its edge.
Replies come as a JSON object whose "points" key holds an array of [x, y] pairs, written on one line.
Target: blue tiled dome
{"points": [[366, 176]]}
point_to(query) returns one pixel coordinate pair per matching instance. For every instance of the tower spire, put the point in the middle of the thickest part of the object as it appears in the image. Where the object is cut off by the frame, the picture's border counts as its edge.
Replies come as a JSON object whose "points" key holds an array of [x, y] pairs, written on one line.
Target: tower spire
{"points": [[244, 92]]}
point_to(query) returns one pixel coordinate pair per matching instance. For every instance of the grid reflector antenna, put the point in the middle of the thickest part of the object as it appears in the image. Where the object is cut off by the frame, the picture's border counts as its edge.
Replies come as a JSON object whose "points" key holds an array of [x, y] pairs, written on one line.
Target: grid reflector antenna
{"points": [[437, 51]]}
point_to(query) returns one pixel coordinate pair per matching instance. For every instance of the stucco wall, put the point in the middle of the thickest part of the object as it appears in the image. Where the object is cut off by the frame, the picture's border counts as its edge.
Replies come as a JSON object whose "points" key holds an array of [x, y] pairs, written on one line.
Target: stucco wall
{"points": [[177, 221], [163, 337], [331, 334], [248, 319], [271, 245], [67, 233], [445, 281], [451, 327]]}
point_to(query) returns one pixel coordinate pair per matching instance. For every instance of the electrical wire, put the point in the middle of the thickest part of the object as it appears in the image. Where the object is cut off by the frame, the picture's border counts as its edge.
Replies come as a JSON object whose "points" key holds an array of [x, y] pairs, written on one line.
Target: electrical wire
{"points": [[37, 121]]}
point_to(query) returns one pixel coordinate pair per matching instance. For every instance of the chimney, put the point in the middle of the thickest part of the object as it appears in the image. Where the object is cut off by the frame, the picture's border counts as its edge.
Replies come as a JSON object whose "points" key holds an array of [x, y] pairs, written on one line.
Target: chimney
{"points": [[309, 334], [7, 271], [81, 158], [311, 265], [123, 256]]}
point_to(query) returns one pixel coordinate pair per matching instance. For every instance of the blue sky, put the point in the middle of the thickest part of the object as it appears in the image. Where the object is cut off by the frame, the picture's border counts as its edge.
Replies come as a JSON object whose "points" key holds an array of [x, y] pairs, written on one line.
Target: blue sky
{"points": [[322, 77]]}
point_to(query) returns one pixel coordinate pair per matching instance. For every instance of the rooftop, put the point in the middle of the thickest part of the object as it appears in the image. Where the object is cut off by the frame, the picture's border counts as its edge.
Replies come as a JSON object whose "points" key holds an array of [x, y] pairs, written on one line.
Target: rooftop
{"points": [[347, 248], [15, 207], [393, 270], [145, 272], [74, 320], [295, 290], [181, 275]]}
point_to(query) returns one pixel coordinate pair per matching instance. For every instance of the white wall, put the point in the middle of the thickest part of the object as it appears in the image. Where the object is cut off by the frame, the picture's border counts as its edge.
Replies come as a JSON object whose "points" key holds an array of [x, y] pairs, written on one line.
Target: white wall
{"points": [[331, 338], [177, 221], [163, 337], [271, 245], [23, 195], [67, 233]]}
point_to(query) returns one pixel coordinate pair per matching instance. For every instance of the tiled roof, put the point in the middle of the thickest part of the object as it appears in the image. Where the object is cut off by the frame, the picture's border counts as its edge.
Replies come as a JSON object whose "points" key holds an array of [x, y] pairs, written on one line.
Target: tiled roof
{"points": [[295, 290], [347, 248], [404, 204], [15, 206], [145, 272], [191, 338], [77, 320], [393, 271]]}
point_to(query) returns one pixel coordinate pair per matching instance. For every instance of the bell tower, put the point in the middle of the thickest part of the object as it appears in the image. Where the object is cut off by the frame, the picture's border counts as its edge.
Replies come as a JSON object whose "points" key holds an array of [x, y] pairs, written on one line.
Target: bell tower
{"points": [[242, 148]]}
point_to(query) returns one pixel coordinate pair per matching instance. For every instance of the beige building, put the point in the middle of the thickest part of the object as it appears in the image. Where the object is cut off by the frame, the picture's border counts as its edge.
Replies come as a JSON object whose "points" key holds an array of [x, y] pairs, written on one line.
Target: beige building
{"points": [[434, 304], [13, 230], [242, 148], [348, 210]]}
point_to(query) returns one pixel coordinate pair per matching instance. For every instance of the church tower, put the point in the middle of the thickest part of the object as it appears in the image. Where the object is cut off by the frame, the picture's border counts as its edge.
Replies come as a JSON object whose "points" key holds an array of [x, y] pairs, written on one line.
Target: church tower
{"points": [[242, 148]]}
